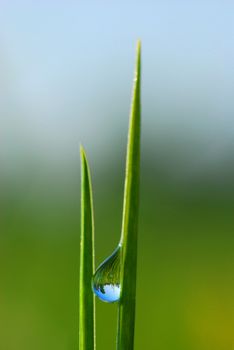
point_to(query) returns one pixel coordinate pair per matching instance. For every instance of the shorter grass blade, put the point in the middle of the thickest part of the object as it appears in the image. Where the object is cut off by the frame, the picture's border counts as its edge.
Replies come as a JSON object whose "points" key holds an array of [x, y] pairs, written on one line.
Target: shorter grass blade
{"points": [[86, 296]]}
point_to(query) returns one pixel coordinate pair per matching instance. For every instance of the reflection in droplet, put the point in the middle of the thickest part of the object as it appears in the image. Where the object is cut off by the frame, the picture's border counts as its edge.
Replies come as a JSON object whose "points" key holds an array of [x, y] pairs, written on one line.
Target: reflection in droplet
{"points": [[106, 280]]}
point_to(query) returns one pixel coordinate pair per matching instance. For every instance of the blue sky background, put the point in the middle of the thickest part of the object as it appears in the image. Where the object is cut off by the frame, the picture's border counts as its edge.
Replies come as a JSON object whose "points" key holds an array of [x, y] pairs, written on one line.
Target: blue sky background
{"points": [[67, 67]]}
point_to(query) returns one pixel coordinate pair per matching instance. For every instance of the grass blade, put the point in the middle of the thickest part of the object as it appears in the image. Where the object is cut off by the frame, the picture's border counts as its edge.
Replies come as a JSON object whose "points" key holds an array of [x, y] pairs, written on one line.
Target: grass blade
{"points": [[126, 316], [86, 297]]}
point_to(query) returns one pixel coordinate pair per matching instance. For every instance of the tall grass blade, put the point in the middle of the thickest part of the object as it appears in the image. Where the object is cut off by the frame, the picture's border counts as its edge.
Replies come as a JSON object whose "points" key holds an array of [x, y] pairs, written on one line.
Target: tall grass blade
{"points": [[126, 315], [86, 297]]}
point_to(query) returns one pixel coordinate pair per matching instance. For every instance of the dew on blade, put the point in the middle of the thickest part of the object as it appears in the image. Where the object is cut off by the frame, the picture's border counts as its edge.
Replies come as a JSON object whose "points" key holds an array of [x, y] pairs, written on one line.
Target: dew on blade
{"points": [[106, 280]]}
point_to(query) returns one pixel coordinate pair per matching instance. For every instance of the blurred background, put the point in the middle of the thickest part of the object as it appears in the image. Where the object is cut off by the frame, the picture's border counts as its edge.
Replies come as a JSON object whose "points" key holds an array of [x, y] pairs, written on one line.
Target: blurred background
{"points": [[66, 70]]}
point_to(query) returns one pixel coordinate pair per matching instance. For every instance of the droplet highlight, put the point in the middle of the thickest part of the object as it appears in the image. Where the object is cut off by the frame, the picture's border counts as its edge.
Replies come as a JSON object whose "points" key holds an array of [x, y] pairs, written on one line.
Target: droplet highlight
{"points": [[106, 280]]}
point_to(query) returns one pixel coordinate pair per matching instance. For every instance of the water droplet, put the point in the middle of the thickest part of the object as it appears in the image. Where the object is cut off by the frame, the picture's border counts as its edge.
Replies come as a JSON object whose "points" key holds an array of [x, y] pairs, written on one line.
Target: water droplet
{"points": [[106, 280]]}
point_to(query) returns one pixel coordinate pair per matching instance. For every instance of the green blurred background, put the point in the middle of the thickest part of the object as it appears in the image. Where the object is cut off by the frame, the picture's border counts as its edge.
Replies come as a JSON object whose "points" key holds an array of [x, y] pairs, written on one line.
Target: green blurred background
{"points": [[65, 77]]}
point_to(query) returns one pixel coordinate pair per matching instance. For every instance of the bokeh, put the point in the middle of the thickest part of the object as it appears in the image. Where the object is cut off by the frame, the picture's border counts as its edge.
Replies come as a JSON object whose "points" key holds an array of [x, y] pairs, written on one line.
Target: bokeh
{"points": [[65, 78]]}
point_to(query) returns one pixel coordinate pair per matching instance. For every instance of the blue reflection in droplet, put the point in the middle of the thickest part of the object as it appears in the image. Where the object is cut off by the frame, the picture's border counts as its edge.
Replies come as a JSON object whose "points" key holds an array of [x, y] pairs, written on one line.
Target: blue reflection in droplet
{"points": [[109, 293]]}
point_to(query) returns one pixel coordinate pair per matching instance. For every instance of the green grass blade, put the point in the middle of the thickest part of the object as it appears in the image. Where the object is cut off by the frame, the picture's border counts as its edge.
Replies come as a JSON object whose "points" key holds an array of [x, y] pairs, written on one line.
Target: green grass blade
{"points": [[126, 317], [86, 297]]}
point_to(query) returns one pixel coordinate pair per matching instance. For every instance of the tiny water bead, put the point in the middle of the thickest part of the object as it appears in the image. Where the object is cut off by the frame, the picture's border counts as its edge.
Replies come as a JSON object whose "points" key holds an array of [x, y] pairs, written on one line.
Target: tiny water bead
{"points": [[106, 280]]}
